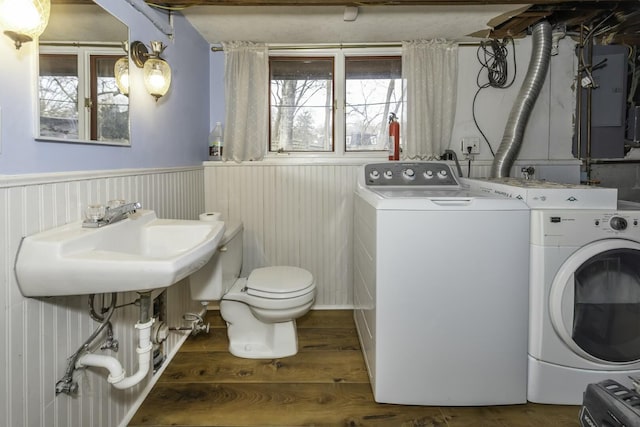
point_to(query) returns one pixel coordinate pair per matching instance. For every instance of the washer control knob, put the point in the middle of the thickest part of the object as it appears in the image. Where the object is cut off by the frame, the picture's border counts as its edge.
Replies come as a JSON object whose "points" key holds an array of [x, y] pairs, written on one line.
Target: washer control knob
{"points": [[442, 174], [388, 174], [618, 223], [374, 174], [428, 174], [409, 174]]}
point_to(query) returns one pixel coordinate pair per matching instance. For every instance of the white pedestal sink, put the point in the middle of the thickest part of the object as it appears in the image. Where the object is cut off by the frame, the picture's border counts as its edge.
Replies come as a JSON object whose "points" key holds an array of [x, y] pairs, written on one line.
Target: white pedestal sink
{"points": [[140, 253]]}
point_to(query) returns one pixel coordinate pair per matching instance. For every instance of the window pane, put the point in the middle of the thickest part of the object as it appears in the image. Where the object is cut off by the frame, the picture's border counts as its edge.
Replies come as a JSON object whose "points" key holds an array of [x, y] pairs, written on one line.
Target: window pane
{"points": [[112, 109], [59, 96], [301, 104], [373, 91]]}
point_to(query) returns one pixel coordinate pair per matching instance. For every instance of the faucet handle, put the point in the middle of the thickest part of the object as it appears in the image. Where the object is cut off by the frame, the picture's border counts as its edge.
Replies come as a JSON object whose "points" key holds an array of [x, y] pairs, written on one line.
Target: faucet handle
{"points": [[95, 212]]}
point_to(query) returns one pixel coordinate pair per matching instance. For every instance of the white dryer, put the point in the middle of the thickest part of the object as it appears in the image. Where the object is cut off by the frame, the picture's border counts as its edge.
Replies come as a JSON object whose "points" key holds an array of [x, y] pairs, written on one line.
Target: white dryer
{"points": [[584, 301]]}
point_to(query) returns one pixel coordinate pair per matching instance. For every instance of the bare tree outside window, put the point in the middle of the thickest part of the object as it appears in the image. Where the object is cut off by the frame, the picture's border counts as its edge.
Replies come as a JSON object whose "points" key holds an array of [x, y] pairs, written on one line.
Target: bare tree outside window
{"points": [[373, 91], [301, 104]]}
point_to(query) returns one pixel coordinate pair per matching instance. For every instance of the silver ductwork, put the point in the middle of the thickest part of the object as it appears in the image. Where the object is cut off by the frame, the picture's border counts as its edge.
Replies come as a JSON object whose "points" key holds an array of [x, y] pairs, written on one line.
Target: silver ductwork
{"points": [[521, 110]]}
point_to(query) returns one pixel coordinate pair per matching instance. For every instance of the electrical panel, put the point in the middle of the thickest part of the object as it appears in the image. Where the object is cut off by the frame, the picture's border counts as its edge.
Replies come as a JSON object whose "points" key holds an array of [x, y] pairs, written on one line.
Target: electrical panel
{"points": [[608, 103]]}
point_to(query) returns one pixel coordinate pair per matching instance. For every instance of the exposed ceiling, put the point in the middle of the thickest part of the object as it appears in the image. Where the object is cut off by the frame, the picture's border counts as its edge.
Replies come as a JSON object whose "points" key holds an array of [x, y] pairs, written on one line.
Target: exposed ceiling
{"points": [[326, 24], [321, 21], [83, 23]]}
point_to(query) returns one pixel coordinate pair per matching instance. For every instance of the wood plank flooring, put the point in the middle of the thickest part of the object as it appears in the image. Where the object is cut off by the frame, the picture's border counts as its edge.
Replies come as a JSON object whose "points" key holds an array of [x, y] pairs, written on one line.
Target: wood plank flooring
{"points": [[325, 384]]}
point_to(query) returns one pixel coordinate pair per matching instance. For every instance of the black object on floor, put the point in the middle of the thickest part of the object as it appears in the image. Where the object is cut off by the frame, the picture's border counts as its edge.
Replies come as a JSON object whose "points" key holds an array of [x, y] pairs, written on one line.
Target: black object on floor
{"points": [[610, 404]]}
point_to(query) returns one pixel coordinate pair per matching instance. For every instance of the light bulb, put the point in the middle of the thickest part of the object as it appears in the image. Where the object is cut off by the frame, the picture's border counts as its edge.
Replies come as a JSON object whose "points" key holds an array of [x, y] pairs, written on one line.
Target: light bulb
{"points": [[157, 77]]}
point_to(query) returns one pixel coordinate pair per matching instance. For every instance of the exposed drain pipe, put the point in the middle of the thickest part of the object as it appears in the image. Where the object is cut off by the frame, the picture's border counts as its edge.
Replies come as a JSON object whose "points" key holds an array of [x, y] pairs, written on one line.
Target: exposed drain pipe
{"points": [[117, 375], [521, 110]]}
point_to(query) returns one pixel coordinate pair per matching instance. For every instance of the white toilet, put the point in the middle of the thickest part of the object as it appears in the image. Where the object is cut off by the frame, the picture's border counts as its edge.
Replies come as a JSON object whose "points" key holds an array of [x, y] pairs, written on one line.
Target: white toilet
{"points": [[260, 310]]}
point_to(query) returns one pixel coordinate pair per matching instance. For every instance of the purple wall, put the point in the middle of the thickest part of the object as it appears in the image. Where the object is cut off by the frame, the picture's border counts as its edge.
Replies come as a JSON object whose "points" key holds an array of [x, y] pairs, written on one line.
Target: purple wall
{"points": [[172, 132]]}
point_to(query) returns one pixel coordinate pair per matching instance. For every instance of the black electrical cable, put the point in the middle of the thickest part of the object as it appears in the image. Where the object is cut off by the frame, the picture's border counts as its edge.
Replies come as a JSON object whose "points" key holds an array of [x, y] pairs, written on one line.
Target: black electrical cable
{"points": [[495, 60]]}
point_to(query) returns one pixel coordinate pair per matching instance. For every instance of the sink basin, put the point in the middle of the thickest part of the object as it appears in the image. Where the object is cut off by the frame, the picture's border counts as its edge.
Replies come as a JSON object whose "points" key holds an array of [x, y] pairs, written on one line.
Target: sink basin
{"points": [[139, 253]]}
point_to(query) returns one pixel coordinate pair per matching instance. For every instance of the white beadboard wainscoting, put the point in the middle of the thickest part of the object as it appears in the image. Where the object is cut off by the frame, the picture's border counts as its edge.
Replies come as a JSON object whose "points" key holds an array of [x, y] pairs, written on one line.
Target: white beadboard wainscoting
{"points": [[300, 212], [299, 215], [39, 334]]}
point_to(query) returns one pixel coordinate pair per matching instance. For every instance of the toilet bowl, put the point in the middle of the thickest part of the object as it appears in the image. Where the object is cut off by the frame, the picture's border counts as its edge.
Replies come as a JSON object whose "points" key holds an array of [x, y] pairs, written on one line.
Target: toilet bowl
{"points": [[260, 310]]}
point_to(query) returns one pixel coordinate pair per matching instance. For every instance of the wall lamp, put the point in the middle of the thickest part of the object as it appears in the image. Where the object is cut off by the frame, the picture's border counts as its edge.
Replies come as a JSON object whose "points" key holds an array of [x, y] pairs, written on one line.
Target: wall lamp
{"points": [[157, 72], [24, 20], [121, 71]]}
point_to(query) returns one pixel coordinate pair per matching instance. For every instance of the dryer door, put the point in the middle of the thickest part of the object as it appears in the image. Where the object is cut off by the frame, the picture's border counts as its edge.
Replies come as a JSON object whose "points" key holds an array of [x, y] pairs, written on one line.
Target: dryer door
{"points": [[594, 301]]}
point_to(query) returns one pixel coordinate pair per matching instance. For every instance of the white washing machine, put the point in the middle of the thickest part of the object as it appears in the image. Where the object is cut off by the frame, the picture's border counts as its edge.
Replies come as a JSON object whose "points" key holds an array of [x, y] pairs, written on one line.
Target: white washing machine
{"points": [[584, 301], [440, 287]]}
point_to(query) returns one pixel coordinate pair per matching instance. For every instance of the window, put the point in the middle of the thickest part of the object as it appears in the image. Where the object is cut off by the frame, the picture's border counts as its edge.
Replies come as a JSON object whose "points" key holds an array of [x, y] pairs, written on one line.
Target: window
{"points": [[301, 104], [373, 92], [333, 102], [79, 98], [59, 96]]}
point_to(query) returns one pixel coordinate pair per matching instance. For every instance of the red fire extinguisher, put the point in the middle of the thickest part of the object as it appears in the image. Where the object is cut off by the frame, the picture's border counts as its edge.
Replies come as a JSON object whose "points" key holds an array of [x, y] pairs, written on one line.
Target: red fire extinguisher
{"points": [[394, 137]]}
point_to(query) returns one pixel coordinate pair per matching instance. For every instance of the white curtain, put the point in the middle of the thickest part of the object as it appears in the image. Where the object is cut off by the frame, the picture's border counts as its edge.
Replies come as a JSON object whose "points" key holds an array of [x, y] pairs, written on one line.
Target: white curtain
{"points": [[246, 76], [430, 75]]}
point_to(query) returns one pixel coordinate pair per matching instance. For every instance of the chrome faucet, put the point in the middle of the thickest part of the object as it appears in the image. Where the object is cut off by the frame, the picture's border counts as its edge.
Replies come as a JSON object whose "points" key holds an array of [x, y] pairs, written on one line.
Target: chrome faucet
{"points": [[112, 215]]}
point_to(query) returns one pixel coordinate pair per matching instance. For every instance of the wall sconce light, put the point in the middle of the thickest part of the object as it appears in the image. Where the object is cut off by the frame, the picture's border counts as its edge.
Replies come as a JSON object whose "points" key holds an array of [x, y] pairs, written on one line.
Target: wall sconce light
{"points": [[24, 20], [157, 72], [121, 71]]}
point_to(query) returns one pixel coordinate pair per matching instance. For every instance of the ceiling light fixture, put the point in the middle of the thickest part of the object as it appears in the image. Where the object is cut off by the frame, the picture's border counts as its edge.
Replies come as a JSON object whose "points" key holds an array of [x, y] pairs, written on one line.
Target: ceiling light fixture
{"points": [[24, 20], [157, 72]]}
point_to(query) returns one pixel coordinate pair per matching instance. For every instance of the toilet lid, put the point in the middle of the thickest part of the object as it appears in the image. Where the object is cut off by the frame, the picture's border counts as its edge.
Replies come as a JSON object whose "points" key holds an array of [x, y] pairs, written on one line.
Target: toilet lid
{"points": [[279, 282]]}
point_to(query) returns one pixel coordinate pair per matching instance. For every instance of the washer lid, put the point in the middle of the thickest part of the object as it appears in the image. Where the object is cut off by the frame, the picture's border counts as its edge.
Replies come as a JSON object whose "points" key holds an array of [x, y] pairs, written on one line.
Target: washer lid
{"points": [[279, 282]]}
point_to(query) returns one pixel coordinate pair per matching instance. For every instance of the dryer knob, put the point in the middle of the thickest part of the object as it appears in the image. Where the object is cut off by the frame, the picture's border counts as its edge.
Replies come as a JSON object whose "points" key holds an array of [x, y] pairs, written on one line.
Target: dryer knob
{"points": [[618, 223]]}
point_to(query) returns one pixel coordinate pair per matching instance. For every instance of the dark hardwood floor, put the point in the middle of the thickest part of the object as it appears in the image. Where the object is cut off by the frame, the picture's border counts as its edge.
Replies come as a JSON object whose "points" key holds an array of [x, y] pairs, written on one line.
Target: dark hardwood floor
{"points": [[325, 384]]}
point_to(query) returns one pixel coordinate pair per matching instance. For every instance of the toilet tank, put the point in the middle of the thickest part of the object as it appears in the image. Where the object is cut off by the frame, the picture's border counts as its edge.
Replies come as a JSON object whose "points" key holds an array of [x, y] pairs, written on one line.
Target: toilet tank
{"points": [[217, 276]]}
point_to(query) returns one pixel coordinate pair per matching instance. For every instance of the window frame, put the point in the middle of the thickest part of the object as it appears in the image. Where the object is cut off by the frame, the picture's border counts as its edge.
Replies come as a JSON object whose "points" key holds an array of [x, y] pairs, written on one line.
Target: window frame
{"points": [[332, 106], [339, 102]]}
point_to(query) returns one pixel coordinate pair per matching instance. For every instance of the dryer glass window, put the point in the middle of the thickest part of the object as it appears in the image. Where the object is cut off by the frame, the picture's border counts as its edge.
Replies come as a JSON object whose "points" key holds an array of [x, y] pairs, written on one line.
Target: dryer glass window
{"points": [[606, 322]]}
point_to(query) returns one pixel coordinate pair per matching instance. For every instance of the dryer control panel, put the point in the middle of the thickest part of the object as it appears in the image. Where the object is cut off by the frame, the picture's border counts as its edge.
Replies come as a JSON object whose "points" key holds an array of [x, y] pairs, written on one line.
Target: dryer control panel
{"points": [[409, 173]]}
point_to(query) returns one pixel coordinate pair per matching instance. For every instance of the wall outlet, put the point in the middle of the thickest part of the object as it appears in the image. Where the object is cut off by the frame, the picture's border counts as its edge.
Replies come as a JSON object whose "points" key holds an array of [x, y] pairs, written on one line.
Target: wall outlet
{"points": [[470, 145]]}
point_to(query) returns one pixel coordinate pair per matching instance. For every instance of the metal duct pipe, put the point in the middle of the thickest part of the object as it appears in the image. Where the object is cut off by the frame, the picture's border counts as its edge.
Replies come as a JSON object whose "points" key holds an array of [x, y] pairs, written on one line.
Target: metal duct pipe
{"points": [[521, 110]]}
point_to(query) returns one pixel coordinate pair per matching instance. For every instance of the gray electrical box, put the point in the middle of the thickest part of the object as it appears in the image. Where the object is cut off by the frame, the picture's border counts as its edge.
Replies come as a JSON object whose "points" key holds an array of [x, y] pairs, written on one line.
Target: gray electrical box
{"points": [[608, 105]]}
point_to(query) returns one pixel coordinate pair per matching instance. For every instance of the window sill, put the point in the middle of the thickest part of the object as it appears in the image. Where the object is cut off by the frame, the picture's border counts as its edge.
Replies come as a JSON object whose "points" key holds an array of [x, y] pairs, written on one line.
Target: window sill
{"points": [[307, 159]]}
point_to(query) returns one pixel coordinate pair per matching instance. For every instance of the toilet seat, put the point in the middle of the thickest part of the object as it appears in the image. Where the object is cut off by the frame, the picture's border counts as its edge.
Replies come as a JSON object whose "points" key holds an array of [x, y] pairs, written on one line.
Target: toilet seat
{"points": [[280, 282], [238, 292]]}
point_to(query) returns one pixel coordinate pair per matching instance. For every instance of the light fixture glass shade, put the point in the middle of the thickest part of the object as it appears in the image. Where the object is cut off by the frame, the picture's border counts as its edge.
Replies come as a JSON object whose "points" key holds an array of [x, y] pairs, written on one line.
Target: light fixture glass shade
{"points": [[121, 71], [24, 20], [157, 77]]}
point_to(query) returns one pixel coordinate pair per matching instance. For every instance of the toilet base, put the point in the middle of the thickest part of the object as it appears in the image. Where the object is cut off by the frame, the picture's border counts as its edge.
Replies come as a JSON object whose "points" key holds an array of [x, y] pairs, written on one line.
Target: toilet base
{"points": [[250, 338]]}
